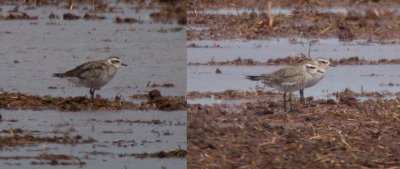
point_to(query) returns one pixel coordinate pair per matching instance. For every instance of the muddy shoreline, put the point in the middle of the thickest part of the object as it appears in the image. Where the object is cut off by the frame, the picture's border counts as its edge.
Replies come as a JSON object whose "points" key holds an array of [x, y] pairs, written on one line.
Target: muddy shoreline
{"points": [[50, 138]]}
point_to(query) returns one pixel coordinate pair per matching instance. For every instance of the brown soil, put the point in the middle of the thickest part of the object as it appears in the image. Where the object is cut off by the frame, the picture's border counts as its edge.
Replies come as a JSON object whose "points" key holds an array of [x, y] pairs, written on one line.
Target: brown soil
{"points": [[170, 11], [70, 16], [373, 23], [161, 154], [24, 101], [340, 133], [290, 60], [18, 16], [88, 16], [129, 20], [157, 101]]}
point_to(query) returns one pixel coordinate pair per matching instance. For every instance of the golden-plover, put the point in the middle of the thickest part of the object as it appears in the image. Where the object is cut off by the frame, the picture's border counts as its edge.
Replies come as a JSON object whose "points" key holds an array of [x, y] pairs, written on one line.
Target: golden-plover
{"points": [[288, 79], [93, 74]]}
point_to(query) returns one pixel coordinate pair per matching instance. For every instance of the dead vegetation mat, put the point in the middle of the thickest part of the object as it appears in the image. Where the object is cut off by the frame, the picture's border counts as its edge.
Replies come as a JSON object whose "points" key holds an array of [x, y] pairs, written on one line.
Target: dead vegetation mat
{"points": [[34, 102], [203, 4], [343, 133], [373, 24]]}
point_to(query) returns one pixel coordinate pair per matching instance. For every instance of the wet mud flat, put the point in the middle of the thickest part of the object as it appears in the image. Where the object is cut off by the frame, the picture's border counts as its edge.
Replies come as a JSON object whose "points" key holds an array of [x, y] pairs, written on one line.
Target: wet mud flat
{"points": [[80, 132], [344, 132], [93, 139]]}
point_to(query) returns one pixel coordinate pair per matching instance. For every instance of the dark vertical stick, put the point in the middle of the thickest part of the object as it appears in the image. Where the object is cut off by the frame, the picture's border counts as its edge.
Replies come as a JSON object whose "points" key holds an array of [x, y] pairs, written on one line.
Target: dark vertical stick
{"points": [[284, 102]]}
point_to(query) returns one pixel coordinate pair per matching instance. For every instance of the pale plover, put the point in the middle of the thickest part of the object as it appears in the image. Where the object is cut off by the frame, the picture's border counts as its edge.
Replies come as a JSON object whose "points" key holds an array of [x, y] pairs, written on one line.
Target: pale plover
{"points": [[322, 65], [93, 74], [288, 79]]}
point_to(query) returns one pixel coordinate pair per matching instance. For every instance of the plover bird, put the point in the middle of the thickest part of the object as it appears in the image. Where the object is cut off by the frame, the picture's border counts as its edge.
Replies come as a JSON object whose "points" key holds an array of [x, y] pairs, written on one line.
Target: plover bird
{"points": [[322, 65], [93, 74], [288, 79]]}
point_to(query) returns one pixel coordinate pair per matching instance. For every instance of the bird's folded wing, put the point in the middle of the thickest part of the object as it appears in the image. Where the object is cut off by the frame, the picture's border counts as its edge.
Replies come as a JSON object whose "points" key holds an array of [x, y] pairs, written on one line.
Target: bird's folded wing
{"points": [[93, 72], [87, 70]]}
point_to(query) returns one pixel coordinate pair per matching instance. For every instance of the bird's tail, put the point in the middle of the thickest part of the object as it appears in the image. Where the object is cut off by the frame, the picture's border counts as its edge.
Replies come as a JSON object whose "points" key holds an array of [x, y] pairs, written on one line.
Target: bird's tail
{"points": [[254, 78], [58, 75]]}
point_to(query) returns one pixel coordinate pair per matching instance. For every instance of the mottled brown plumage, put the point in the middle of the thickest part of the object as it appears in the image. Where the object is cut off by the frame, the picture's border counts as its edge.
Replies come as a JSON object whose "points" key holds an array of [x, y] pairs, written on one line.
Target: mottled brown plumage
{"points": [[93, 74]]}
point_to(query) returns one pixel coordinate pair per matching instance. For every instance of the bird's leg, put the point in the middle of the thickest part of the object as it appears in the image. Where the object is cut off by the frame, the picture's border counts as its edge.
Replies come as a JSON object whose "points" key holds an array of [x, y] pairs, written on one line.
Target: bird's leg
{"points": [[302, 96], [290, 101], [284, 102], [91, 91]]}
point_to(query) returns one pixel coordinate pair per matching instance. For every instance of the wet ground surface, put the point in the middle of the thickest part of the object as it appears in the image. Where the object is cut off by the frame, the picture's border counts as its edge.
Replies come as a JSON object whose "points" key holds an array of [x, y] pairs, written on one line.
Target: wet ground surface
{"points": [[92, 139], [123, 127], [350, 118]]}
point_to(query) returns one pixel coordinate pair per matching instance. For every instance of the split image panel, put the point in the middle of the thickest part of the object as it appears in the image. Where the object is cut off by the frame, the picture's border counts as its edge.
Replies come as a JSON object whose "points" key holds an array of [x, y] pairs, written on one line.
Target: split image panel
{"points": [[129, 55]]}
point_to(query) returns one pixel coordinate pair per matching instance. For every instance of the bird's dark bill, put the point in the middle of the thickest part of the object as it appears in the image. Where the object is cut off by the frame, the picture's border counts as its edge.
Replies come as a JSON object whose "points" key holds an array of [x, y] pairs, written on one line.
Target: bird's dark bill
{"points": [[123, 64]]}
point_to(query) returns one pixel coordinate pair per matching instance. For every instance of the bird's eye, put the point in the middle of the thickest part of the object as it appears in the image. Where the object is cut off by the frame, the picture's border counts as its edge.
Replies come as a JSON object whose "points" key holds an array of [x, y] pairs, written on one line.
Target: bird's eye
{"points": [[311, 67], [115, 61]]}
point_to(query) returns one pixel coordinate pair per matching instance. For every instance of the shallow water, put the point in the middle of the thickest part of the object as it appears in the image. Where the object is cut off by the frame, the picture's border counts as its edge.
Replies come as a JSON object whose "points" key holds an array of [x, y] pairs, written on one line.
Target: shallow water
{"points": [[262, 50], [203, 79], [97, 126], [44, 46]]}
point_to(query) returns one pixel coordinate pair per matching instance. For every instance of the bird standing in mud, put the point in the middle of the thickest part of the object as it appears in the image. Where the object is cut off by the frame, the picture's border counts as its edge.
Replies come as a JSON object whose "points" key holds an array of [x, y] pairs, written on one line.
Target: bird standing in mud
{"points": [[93, 74], [288, 79], [322, 65]]}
